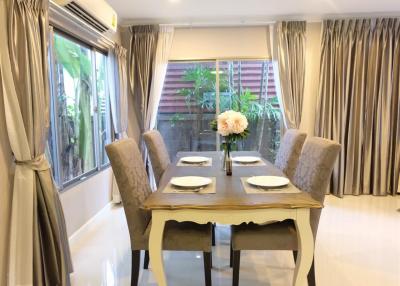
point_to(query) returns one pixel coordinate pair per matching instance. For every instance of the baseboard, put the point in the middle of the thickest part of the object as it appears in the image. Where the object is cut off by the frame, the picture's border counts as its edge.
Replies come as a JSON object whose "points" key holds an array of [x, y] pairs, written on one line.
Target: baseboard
{"points": [[83, 227]]}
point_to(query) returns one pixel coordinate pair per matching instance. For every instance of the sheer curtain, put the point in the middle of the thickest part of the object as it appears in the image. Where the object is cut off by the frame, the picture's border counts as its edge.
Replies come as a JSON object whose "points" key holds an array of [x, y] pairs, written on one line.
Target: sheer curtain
{"points": [[359, 104], [290, 54], [164, 44], [118, 99], [39, 251]]}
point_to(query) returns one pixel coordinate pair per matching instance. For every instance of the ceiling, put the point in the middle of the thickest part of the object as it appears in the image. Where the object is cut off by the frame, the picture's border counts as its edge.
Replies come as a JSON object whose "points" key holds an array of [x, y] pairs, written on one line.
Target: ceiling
{"points": [[245, 11]]}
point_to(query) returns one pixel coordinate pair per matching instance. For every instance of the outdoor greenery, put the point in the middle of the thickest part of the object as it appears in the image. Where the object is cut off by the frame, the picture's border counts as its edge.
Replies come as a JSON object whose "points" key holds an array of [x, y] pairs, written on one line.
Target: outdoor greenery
{"points": [[75, 119], [202, 94], [200, 99]]}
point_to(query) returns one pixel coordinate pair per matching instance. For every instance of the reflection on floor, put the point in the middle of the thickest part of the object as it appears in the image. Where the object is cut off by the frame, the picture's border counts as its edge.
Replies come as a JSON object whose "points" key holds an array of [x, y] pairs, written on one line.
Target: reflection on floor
{"points": [[358, 244]]}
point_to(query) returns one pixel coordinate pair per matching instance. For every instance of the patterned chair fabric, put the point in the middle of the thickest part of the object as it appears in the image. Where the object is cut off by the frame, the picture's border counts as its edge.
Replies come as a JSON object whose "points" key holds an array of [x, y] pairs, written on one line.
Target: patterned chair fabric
{"points": [[130, 174], [312, 175], [289, 151], [158, 153], [314, 171]]}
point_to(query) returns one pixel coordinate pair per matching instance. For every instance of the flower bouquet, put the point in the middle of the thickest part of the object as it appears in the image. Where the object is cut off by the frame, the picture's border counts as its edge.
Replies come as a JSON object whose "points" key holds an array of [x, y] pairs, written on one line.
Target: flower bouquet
{"points": [[232, 126]]}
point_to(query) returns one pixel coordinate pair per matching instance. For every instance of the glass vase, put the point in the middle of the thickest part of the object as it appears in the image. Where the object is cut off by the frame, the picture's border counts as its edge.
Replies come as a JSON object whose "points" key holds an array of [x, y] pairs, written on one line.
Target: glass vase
{"points": [[227, 159]]}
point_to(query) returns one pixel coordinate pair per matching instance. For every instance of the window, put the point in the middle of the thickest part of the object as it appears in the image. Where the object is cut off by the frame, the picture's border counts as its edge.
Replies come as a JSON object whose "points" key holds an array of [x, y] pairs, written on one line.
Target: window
{"points": [[81, 124], [186, 107], [190, 101], [103, 106]]}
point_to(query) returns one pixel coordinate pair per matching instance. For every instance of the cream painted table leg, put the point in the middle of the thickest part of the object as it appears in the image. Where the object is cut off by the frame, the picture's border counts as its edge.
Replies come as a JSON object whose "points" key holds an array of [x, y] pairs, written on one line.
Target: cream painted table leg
{"points": [[155, 247], [306, 247]]}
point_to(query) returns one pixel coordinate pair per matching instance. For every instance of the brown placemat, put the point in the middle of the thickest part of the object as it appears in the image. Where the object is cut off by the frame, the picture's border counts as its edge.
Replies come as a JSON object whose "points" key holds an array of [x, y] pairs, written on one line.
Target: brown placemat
{"points": [[250, 189], [209, 189]]}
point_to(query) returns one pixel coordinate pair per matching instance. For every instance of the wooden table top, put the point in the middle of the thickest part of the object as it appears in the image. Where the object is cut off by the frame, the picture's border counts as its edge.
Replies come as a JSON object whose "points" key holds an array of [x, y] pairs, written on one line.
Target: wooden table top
{"points": [[230, 194]]}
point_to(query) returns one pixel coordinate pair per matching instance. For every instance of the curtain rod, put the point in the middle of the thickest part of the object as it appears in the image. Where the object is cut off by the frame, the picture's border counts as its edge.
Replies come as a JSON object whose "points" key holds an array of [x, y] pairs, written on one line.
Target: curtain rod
{"points": [[219, 24], [204, 24]]}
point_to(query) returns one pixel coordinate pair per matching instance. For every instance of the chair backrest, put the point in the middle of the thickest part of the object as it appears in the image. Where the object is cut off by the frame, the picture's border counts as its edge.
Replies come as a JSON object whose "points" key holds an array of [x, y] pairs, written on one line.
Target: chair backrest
{"points": [[289, 151], [158, 153], [130, 174], [314, 170]]}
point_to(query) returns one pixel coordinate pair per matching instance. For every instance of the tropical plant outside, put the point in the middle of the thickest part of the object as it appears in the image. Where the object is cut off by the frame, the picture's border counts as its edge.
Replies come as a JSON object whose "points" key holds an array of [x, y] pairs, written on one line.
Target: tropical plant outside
{"points": [[200, 99], [74, 92]]}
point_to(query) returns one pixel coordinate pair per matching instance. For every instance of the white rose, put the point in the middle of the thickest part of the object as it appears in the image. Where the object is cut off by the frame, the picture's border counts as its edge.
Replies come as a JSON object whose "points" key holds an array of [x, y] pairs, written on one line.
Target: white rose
{"points": [[222, 124], [237, 122]]}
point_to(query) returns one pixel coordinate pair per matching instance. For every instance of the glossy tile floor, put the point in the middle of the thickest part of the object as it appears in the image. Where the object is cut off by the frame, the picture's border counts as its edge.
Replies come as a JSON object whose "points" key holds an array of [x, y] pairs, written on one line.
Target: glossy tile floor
{"points": [[358, 244]]}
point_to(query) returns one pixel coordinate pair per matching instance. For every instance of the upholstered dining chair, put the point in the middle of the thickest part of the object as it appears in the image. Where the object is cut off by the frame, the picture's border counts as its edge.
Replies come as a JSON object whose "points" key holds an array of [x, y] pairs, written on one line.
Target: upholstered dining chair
{"points": [[312, 175], [130, 174], [289, 151], [158, 153], [160, 159]]}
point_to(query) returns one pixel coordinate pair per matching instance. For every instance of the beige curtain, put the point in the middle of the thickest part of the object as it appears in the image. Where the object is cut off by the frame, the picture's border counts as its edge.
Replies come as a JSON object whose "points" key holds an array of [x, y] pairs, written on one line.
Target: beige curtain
{"points": [[142, 60], [119, 89], [143, 47], [39, 252], [359, 103], [290, 54], [117, 74]]}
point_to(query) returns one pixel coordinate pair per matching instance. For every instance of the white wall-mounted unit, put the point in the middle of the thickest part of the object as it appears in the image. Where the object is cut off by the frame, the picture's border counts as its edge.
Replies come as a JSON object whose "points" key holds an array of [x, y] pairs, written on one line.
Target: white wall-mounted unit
{"points": [[96, 13]]}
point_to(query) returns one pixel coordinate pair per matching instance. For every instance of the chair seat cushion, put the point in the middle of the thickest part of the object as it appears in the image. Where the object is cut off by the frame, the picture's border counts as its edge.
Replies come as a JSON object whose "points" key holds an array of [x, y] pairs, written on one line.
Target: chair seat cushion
{"points": [[185, 236], [274, 236]]}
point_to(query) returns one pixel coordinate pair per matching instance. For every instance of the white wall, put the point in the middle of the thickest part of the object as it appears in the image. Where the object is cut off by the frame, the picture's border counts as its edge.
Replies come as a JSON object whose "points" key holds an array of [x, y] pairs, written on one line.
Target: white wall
{"points": [[83, 201], [220, 43], [313, 52]]}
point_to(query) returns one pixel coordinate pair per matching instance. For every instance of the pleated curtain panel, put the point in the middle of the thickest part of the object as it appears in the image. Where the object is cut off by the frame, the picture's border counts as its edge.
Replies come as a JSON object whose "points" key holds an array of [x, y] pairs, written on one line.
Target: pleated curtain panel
{"points": [[119, 90], [290, 53], [39, 252], [117, 72], [142, 53], [359, 103], [149, 50]]}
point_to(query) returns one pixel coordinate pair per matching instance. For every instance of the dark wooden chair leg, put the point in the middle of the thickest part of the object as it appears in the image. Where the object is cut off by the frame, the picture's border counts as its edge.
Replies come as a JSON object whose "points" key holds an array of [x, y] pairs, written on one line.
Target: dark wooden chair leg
{"points": [[207, 258], [213, 234], [231, 256], [135, 267], [146, 260], [311, 275], [236, 267], [295, 256]]}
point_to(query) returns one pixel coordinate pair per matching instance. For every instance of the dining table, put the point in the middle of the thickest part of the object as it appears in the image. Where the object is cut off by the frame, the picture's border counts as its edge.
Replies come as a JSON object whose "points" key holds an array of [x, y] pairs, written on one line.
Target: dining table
{"points": [[231, 205]]}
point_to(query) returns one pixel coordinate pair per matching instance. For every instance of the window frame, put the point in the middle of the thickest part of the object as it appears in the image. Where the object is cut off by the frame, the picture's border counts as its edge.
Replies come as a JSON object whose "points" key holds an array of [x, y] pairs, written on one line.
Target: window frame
{"points": [[110, 127], [56, 154]]}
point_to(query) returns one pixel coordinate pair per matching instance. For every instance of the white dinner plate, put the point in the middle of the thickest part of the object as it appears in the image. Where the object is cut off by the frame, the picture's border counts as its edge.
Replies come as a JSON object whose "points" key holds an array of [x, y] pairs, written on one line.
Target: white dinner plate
{"points": [[268, 181], [246, 159], [194, 159], [190, 182]]}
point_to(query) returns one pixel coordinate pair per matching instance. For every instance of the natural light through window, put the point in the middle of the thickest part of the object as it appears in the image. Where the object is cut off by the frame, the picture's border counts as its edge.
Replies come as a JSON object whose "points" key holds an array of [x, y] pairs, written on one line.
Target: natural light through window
{"points": [[81, 122], [190, 101]]}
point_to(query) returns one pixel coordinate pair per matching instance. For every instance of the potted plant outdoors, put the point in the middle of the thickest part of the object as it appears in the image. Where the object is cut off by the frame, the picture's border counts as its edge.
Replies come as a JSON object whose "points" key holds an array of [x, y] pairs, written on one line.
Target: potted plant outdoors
{"points": [[232, 126]]}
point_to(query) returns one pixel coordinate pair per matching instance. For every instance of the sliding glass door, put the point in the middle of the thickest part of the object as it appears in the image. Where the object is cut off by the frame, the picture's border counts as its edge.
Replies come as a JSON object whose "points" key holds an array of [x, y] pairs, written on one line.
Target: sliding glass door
{"points": [[188, 106], [194, 92]]}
